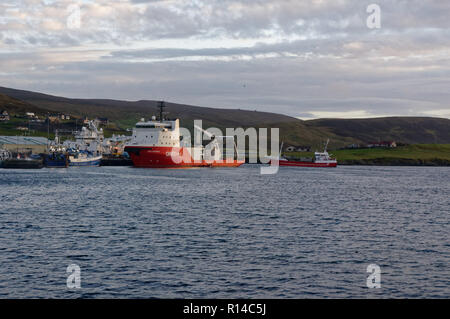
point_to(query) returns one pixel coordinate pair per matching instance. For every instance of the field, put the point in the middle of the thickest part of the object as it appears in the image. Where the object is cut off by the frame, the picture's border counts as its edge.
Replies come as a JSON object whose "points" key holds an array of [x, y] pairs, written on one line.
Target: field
{"points": [[417, 151], [417, 154]]}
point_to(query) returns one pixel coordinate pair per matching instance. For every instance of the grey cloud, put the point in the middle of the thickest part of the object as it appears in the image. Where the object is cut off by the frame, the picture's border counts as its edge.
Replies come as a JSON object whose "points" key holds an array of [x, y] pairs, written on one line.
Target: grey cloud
{"points": [[305, 57]]}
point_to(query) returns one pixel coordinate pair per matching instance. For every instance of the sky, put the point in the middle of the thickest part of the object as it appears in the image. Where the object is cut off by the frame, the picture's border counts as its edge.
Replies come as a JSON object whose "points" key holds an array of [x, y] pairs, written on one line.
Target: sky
{"points": [[307, 59]]}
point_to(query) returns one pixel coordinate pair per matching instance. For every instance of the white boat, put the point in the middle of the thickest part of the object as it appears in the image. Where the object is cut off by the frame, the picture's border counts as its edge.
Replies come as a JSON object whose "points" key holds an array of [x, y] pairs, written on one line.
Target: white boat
{"points": [[84, 159], [321, 159]]}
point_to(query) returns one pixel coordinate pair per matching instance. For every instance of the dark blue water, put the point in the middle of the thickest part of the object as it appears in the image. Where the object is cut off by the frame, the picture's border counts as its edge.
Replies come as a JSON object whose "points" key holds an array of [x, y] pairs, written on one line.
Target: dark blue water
{"points": [[225, 233]]}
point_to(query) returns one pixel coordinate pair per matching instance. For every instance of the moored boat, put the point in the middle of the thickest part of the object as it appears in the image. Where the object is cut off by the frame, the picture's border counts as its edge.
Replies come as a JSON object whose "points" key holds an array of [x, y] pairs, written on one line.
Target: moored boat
{"points": [[84, 158], [56, 160], [116, 161], [321, 159], [157, 144]]}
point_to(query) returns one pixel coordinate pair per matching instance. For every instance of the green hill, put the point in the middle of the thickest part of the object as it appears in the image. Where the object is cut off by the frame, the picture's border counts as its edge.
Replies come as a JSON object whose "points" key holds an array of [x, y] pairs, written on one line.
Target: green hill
{"points": [[15, 106], [418, 154], [124, 114], [410, 130], [341, 132], [408, 155]]}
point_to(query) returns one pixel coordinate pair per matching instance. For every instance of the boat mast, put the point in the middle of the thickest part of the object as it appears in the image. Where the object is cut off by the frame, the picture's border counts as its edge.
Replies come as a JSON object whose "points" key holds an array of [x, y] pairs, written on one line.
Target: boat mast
{"points": [[326, 145]]}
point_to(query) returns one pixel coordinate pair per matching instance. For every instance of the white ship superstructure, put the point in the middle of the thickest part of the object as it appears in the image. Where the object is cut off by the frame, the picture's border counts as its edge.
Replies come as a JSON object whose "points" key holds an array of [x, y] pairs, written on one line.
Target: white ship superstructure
{"points": [[89, 139]]}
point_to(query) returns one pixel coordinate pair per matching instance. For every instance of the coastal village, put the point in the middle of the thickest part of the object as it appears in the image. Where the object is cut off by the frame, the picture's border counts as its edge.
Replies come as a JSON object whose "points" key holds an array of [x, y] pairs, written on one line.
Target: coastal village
{"points": [[31, 134], [64, 145], [86, 145]]}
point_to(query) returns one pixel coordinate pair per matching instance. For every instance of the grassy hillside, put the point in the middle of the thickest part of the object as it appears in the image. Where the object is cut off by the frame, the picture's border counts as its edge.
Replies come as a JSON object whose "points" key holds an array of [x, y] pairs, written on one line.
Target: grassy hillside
{"points": [[127, 111], [124, 114], [15, 106], [418, 154], [341, 132], [417, 151], [408, 130]]}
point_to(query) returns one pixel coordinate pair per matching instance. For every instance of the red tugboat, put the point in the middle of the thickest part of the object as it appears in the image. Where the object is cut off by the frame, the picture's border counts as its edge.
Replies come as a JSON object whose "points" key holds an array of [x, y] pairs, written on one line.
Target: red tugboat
{"points": [[157, 144], [321, 159]]}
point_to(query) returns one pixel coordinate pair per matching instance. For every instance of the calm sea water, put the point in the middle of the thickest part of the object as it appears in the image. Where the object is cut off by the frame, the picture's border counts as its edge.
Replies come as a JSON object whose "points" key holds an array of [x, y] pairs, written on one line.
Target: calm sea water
{"points": [[225, 233]]}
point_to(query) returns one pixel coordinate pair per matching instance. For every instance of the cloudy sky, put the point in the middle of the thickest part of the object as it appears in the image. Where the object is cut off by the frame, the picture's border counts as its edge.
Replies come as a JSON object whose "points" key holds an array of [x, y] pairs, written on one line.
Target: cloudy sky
{"points": [[307, 59]]}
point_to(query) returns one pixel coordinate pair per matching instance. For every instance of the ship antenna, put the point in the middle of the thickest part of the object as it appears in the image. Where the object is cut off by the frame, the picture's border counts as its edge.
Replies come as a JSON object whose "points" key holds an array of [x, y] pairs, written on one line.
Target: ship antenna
{"points": [[161, 105]]}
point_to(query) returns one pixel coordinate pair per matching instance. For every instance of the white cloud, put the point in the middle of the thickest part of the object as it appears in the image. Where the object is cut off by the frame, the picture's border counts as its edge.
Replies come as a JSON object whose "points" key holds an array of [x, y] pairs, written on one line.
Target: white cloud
{"points": [[291, 56]]}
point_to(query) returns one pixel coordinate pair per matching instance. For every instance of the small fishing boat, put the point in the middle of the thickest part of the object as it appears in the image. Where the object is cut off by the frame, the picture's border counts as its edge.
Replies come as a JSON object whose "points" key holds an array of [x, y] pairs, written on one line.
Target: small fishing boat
{"points": [[56, 160], [321, 159], [84, 158]]}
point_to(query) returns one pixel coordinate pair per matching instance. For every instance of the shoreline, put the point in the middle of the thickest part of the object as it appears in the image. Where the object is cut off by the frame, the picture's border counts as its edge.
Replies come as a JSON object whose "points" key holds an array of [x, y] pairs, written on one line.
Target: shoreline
{"points": [[396, 162]]}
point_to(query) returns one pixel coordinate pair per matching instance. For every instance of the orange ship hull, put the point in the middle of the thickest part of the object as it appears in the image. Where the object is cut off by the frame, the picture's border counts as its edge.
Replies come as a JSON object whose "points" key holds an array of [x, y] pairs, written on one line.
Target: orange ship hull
{"points": [[172, 157]]}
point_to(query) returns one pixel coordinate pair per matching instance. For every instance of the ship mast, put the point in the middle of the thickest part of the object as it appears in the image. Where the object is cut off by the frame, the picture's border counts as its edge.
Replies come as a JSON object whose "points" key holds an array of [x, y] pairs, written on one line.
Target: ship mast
{"points": [[161, 105], [326, 145]]}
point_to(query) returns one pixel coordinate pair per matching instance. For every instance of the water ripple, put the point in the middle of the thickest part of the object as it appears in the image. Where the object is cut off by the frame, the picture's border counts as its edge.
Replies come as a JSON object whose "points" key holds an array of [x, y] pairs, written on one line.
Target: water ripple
{"points": [[225, 233]]}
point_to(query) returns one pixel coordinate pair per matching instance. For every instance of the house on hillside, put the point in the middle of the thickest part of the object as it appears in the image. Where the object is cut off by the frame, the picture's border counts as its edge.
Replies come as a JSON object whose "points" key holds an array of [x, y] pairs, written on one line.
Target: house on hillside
{"points": [[53, 118], [387, 144], [4, 116]]}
